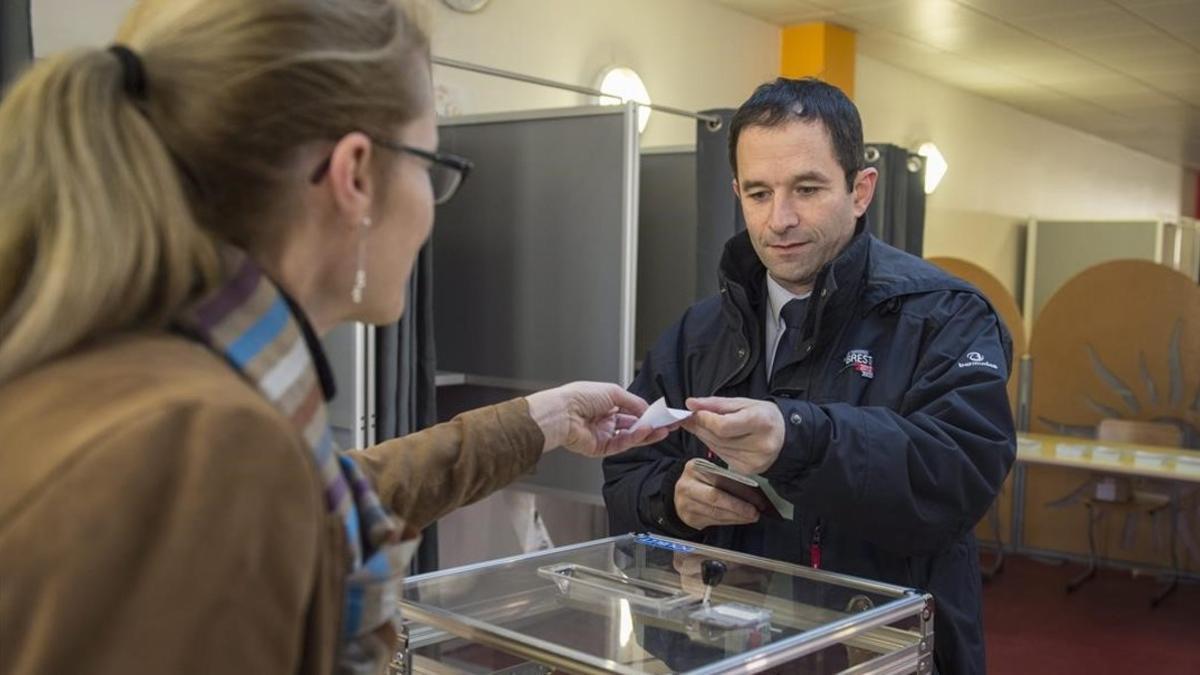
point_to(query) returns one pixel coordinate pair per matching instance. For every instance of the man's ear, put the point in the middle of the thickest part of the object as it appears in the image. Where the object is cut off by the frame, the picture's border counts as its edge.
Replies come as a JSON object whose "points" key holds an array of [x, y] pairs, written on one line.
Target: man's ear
{"points": [[864, 190], [350, 177], [737, 189]]}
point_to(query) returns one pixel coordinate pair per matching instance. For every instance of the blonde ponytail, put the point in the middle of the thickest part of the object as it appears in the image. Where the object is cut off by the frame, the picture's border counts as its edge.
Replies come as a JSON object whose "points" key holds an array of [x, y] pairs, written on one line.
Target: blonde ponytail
{"points": [[96, 234], [111, 206]]}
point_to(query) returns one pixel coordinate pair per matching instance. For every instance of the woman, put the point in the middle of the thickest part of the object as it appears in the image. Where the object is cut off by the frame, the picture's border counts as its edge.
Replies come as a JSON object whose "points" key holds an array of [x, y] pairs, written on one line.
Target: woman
{"points": [[181, 215]]}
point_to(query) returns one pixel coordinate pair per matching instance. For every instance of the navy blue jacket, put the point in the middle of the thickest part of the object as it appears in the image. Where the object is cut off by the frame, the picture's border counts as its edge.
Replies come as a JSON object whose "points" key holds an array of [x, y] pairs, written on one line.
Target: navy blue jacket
{"points": [[899, 431]]}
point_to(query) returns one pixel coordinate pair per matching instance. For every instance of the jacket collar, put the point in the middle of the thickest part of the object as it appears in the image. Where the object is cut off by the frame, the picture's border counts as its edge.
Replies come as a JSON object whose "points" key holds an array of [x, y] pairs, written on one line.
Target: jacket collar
{"points": [[248, 290], [834, 297], [742, 273], [316, 350]]}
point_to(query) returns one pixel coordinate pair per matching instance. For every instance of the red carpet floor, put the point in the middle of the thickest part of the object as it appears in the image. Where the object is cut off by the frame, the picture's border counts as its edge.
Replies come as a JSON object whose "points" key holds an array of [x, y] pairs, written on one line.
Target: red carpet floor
{"points": [[1034, 627]]}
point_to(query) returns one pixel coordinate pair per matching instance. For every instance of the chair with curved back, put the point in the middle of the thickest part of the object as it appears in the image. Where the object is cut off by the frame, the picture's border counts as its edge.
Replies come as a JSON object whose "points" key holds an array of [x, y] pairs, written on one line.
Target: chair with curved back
{"points": [[1131, 498]]}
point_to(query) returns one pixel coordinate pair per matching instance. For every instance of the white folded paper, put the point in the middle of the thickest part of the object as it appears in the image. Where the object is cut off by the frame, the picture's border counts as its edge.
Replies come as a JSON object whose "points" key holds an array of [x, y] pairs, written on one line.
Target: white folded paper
{"points": [[1189, 465], [1069, 450], [659, 415]]}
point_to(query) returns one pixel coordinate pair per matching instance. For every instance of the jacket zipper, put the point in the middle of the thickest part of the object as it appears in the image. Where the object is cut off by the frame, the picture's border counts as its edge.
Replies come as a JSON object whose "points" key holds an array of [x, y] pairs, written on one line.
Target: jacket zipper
{"points": [[814, 547], [709, 454], [745, 347], [729, 378]]}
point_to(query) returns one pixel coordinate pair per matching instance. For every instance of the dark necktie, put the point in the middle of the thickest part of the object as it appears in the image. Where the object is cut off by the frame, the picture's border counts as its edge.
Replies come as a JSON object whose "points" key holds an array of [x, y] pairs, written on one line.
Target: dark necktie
{"points": [[793, 316]]}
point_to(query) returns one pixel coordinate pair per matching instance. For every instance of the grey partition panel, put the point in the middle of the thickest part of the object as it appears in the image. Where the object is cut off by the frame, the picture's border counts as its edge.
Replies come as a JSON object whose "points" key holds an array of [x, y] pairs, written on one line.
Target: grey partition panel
{"points": [[531, 257], [1066, 248], [666, 269], [349, 350], [342, 349], [16, 40], [534, 262], [1181, 246]]}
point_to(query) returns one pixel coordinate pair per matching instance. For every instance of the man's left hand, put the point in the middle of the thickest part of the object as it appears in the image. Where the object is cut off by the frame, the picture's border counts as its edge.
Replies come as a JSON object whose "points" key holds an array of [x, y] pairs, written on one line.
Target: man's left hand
{"points": [[745, 432]]}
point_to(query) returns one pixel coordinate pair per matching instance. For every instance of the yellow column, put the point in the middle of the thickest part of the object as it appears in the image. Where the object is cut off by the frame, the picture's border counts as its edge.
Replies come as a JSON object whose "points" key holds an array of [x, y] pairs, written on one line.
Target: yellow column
{"points": [[820, 50]]}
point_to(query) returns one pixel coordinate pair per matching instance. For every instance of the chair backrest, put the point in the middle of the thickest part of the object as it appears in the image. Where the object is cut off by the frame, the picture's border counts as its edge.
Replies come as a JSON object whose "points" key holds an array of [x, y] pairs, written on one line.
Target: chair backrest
{"points": [[1131, 431]]}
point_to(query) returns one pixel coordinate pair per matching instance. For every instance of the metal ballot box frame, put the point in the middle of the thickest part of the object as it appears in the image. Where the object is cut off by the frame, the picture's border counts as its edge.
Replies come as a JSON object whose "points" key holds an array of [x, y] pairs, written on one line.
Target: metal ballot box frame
{"points": [[637, 603]]}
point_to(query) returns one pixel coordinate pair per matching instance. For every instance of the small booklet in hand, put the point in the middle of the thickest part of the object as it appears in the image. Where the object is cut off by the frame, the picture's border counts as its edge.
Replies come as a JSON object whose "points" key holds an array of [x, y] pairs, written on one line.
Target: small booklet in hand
{"points": [[754, 490]]}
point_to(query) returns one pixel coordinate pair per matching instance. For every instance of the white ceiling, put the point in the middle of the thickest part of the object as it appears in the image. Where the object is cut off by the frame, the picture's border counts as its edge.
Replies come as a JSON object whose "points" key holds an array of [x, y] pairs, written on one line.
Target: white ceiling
{"points": [[1125, 70]]}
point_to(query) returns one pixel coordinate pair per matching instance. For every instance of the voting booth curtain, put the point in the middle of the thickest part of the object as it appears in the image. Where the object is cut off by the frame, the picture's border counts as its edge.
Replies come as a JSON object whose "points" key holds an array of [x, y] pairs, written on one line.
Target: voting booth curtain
{"points": [[406, 379]]}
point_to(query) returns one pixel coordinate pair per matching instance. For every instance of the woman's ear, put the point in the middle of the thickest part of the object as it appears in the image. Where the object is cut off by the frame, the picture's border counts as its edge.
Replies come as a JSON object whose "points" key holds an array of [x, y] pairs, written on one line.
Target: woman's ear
{"points": [[350, 176]]}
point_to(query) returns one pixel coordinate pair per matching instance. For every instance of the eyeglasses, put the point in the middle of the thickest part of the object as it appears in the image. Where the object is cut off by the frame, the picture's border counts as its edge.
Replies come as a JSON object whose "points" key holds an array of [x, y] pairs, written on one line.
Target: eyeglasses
{"points": [[446, 171]]}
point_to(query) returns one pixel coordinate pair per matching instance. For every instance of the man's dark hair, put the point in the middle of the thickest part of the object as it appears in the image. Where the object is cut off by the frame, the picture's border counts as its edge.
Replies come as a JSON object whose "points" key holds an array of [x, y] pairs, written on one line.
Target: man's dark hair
{"points": [[777, 103]]}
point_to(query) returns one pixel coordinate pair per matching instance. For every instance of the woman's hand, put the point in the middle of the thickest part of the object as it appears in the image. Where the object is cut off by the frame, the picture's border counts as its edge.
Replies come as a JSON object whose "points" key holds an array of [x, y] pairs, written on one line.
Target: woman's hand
{"points": [[591, 419]]}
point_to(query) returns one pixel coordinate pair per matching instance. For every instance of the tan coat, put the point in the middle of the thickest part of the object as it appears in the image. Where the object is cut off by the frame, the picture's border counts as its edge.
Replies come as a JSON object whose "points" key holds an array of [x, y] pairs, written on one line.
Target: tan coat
{"points": [[158, 515]]}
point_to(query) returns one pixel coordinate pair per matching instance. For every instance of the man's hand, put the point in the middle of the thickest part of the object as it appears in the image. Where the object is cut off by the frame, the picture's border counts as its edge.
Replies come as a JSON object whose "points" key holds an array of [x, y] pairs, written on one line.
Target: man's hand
{"points": [[747, 433], [701, 505]]}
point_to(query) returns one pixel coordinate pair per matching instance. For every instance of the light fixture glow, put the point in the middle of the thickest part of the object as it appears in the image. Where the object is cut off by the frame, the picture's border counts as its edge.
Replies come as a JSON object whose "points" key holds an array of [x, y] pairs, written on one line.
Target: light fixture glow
{"points": [[935, 166], [623, 84]]}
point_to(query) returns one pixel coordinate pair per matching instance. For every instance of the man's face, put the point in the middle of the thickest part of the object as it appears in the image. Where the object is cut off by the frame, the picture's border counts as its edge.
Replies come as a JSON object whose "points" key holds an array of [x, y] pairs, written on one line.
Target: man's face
{"points": [[794, 198]]}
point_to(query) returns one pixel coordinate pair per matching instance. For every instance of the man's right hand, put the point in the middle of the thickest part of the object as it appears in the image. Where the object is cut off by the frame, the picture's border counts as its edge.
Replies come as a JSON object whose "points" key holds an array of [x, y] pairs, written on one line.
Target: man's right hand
{"points": [[701, 505]]}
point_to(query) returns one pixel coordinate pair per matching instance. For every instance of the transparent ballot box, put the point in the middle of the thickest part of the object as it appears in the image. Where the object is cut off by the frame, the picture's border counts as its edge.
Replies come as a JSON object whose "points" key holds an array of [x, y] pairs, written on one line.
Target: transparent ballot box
{"points": [[648, 604]]}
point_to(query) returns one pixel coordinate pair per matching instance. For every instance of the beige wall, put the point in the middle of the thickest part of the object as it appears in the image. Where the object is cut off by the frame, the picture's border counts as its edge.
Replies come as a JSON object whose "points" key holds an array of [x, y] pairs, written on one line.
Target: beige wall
{"points": [[66, 24], [1005, 166], [690, 54]]}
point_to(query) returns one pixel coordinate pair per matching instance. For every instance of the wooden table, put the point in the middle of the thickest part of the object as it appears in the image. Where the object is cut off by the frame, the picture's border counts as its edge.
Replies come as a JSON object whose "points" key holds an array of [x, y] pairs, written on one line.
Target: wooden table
{"points": [[1077, 453], [1044, 449]]}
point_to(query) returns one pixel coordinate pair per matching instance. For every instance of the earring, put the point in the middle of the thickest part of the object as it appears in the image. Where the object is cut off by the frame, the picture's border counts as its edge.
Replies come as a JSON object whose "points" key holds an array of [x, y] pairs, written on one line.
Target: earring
{"points": [[360, 275]]}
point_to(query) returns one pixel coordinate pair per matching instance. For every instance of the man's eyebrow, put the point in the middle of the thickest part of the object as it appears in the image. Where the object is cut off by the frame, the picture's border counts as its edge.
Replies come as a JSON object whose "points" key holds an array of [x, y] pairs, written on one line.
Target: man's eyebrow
{"points": [[806, 177]]}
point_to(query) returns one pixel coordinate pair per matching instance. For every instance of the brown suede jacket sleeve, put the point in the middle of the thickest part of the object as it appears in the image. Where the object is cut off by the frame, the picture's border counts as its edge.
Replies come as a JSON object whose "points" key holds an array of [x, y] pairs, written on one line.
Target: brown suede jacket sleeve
{"points": [[182, 541], [425, 475]]}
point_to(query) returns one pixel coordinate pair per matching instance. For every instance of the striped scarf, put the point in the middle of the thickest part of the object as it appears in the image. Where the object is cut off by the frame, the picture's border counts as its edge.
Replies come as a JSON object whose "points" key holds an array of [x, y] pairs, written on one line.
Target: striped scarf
{"points": [[252, 324]]}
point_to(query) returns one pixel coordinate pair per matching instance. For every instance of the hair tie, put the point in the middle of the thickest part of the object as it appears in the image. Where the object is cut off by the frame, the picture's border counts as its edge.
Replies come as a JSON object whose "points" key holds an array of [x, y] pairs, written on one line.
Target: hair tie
{"points": [[132, 69]]}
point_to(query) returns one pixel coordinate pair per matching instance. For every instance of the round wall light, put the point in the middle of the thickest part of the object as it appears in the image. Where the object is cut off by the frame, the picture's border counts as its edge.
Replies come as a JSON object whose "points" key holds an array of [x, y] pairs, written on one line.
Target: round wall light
{"points": [[622, 84], [935, 166]]}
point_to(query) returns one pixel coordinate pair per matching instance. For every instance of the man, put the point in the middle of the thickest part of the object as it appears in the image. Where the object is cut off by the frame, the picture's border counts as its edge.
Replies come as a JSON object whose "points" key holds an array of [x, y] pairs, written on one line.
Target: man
{"points": [[864, 383]]}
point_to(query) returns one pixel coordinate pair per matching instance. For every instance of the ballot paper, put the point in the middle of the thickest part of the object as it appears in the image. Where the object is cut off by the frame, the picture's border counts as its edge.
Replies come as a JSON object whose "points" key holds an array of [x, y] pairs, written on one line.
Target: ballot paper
{"points": [[659, 415]]}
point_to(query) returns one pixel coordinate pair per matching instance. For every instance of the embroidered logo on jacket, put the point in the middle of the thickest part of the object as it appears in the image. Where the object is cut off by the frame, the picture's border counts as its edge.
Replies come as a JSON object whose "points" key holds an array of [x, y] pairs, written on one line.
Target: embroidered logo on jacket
{"points": [[861, 361], [977, 360]]}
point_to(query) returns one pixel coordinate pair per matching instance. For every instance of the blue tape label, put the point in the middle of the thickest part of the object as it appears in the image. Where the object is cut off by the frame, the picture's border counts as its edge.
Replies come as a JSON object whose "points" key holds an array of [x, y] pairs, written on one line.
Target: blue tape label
{"points": [[649, 540]]}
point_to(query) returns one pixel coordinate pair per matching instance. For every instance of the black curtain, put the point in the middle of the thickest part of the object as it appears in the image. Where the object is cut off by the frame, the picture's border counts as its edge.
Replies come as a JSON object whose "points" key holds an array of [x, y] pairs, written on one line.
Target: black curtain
{"points": [[16, 40], [406, 379], [897, 213], [718, 215]]}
